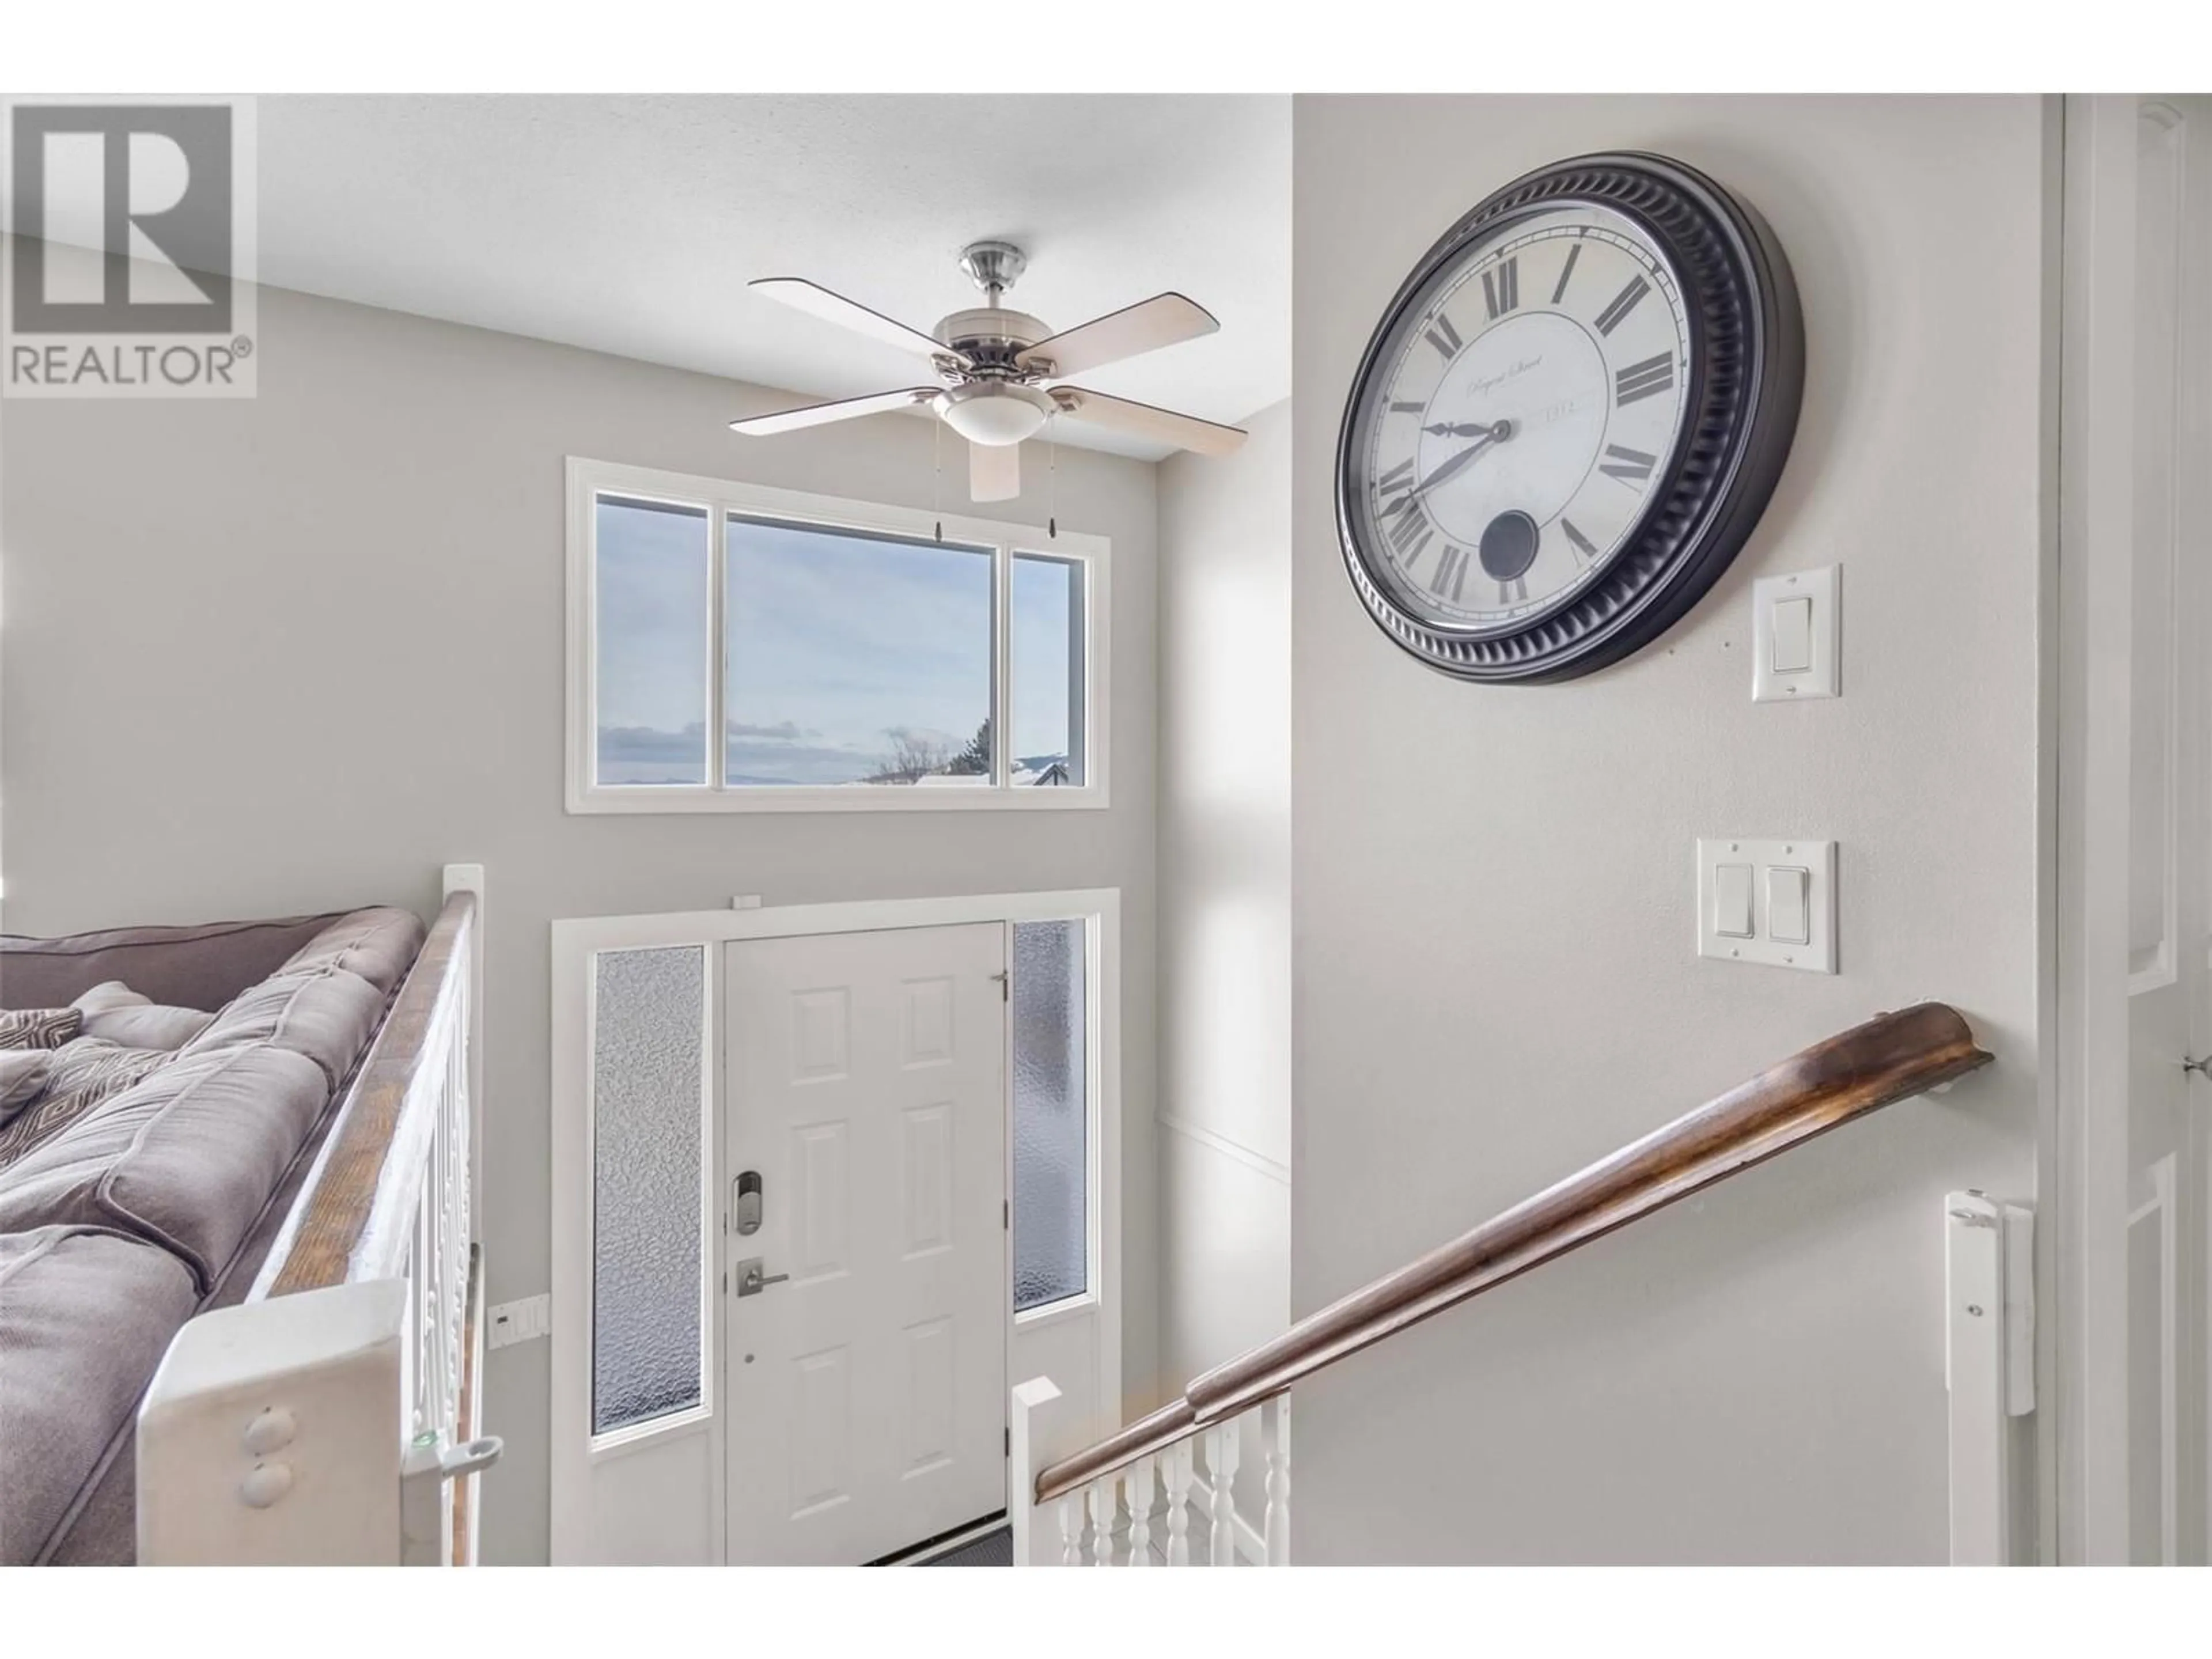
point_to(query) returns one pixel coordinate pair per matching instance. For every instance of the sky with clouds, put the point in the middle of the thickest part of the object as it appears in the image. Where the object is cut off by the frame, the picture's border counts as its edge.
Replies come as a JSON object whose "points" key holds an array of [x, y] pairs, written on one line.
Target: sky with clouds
{"points": [[838, 644]]}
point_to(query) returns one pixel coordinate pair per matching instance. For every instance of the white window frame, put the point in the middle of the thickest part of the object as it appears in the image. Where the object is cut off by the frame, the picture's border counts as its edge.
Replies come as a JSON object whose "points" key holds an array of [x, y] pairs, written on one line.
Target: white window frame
{"points": [[720, 497]]}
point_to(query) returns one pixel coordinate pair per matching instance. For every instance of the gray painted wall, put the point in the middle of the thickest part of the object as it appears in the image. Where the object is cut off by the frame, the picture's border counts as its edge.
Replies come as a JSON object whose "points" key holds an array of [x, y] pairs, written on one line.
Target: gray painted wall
{"points": [[296, 653], [1496, 980], [1224, 907]]}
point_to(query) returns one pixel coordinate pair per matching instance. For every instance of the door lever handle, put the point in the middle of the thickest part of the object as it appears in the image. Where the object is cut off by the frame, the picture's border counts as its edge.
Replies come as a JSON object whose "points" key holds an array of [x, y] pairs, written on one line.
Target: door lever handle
{"points": [[752, 1280]]}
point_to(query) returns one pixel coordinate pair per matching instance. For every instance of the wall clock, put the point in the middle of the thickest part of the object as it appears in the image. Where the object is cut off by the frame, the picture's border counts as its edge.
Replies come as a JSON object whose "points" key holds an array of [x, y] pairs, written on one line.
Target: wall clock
{"points": [[1569, 419]]}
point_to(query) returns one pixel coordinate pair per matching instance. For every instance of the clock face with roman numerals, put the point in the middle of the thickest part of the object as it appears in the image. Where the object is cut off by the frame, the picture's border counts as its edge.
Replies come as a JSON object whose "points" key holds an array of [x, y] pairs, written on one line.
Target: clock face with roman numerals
{"points": [[1553, 441]]}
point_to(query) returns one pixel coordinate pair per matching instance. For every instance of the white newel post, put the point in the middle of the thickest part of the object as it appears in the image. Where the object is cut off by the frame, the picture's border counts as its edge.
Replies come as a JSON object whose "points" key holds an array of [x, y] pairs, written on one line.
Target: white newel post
{"points": [[1988, 1365], [269, 1436], [1023, 1463]]}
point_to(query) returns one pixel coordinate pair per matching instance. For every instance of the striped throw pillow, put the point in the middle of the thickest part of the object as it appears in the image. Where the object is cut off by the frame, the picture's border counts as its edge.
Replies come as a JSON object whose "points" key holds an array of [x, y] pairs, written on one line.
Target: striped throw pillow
{"points": [[84, 1073], [38, 1028]]}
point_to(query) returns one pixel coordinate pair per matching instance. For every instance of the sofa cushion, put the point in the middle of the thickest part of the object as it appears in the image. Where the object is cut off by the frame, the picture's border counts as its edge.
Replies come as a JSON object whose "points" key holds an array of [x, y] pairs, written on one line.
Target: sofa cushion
{"points": [[116, 1013], [200, 966], [380, 944], [79, 1075], [186, 1158], [85, 1317], [39, 1028], [327, 1014]]}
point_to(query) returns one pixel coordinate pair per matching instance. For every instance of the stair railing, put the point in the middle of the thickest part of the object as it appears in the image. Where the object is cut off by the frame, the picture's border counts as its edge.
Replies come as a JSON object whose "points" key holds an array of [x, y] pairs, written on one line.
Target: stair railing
{"points": [[331, 1419], [1079, 1501]]}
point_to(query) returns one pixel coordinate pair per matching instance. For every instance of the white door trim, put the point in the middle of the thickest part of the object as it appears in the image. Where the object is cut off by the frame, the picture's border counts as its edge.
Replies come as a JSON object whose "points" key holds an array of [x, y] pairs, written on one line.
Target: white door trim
{"points": [[570, 1456], [2086, 976]]}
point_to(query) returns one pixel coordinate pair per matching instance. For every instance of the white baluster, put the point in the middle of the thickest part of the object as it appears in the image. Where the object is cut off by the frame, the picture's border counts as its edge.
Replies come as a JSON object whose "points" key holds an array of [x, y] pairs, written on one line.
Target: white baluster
{"points": [[1221, 1452], [1071, 1530], [1140, 1513], [1102, 1521], [1178, 1483], [1275, 1435]]}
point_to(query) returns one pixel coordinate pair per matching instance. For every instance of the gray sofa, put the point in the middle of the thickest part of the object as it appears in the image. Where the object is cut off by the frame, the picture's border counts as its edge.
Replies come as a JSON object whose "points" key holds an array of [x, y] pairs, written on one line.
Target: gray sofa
{"points": [[121, 1219]]}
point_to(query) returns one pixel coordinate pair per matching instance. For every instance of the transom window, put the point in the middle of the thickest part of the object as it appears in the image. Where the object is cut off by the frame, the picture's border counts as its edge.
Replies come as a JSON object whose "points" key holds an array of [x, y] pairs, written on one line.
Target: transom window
{"points": [[734, 647]]}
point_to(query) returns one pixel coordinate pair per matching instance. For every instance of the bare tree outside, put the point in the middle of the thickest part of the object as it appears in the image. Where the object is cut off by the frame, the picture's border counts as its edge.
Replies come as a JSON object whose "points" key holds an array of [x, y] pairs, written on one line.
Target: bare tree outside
{"points": [[913, 758]]}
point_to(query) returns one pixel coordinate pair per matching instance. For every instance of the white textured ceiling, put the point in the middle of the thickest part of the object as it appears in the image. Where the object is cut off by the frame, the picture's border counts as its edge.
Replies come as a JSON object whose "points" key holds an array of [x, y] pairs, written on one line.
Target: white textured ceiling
{"points": [[631, 224]]}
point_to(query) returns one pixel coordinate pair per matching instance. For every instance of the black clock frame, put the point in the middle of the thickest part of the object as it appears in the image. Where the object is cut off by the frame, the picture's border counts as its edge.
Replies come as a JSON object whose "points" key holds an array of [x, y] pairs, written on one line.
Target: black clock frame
{"points": [[1745, 383]]}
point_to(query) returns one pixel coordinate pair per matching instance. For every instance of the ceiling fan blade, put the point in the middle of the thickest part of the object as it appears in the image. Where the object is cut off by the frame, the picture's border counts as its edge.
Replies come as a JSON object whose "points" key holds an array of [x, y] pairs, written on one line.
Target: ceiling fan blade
{"points": [[995, 471], [819, 301], [1144, 421], [845, 409], [1165, 319]]}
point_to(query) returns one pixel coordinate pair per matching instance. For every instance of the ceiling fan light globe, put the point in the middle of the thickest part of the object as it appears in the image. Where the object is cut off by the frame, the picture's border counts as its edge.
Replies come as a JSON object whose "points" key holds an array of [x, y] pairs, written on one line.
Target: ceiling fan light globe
{"points": [[995, 416]]}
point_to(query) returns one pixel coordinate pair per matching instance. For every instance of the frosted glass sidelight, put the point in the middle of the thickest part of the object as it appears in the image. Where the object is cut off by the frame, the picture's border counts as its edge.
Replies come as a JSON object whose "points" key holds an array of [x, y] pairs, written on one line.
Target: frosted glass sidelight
{"points": [[653, 602], [648, 1061], [1046, 645], [1051, 1162]]}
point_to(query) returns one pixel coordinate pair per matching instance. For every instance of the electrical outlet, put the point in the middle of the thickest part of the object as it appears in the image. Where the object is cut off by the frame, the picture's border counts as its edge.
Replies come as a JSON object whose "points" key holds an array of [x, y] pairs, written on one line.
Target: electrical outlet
{"points": [[520, 1322]]}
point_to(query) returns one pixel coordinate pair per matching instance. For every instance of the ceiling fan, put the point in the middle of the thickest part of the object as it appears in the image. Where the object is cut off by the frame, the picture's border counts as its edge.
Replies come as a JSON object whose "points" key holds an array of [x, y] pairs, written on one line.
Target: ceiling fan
{"points": [[994, 363]]}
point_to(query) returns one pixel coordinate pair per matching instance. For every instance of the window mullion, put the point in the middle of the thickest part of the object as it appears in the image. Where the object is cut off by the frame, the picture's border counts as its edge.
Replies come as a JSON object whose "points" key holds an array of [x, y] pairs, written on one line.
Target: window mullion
{"points": [[717, 649], [1002, 660]]}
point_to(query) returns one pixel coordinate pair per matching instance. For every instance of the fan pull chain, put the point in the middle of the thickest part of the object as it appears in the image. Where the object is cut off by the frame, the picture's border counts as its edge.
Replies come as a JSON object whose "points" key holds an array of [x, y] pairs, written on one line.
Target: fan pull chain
{"points": [[1052, 477], [937, 476]]}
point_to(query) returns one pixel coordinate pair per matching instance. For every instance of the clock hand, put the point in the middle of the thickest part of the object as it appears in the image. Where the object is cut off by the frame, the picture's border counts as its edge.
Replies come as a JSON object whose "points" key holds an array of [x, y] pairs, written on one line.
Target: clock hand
{"points": [[1497, 432], [1456, 429]]}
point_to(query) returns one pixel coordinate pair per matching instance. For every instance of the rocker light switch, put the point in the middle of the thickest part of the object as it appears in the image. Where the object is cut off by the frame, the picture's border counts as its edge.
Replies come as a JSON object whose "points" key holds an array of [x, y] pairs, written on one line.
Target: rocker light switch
{"points": [[1732, 901], [1794, 637], [1787, 921]]}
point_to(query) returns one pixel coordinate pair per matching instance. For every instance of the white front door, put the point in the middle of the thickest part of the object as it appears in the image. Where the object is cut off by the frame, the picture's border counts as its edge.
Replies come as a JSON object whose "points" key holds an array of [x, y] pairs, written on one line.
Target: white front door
{"points": [[865, 1373], [2169, 1125]]}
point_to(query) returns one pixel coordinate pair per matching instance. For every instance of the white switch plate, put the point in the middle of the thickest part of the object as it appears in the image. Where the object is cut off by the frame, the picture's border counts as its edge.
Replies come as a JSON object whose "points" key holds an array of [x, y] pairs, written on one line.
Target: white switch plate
{"points": [[1817, 859], [1822, 677], [520, 1322]]}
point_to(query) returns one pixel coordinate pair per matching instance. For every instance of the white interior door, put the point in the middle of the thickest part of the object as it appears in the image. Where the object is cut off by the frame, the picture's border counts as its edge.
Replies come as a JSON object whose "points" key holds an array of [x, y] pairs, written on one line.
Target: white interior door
{"points": [[2169, 1121], [866, 1377]]}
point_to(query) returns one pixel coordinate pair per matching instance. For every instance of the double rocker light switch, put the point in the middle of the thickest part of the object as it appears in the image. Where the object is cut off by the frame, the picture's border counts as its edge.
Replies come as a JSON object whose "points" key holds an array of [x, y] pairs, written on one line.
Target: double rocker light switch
{"points": [[1771, 902]]}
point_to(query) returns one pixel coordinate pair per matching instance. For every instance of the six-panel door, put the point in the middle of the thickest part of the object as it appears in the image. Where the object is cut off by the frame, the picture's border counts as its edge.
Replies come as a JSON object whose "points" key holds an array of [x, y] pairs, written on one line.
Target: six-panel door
{"points": [[866, 1088]]}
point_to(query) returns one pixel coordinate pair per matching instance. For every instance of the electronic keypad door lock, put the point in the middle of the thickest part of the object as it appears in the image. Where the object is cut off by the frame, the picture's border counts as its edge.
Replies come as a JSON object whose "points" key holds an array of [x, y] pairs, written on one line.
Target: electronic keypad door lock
{"points": [[745, 1211]]}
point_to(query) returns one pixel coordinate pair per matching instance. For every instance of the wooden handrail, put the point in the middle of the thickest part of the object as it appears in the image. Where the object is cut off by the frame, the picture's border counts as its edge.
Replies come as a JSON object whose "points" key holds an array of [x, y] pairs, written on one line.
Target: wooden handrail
{"points": [[1891, 1057], [352, 1222]]}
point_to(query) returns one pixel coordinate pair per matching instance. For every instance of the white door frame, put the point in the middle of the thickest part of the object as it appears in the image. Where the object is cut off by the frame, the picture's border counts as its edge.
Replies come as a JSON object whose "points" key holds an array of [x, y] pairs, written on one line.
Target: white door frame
{"points": [[2086, 983], [572, 1454]]}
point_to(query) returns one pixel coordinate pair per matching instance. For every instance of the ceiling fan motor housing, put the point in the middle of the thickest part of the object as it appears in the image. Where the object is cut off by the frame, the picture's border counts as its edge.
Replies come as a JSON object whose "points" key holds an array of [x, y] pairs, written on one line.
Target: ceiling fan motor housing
{"points": [[991, 336]]}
